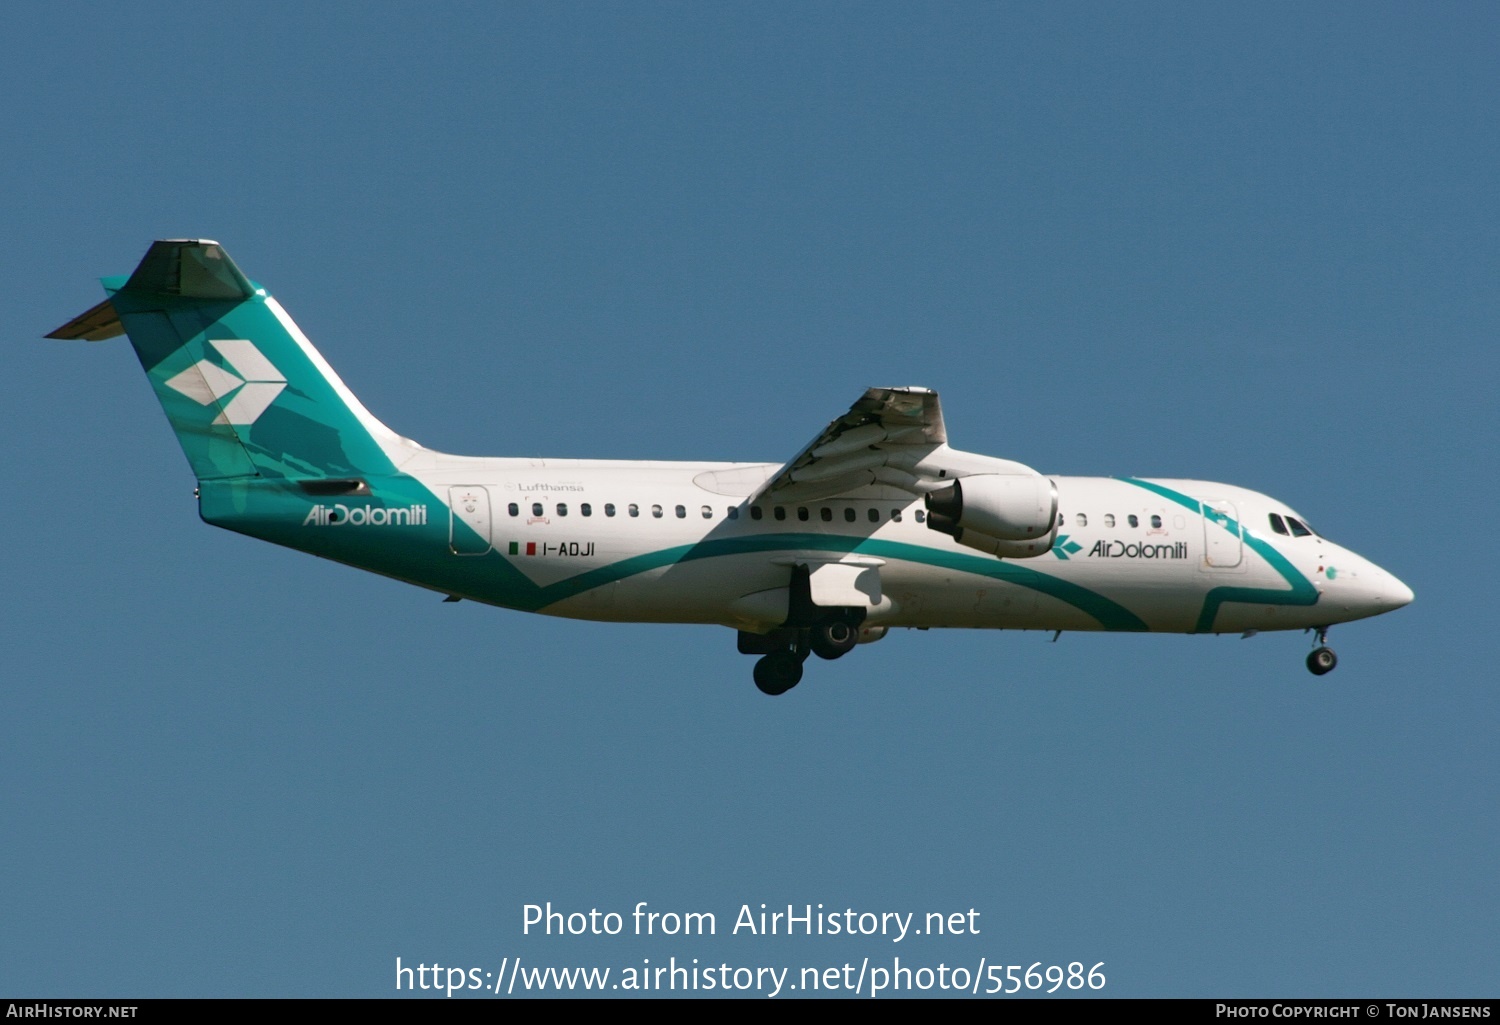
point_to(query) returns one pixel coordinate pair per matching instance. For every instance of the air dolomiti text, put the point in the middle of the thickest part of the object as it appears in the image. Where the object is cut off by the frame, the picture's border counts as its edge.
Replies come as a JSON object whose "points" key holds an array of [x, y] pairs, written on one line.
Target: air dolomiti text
{"points": [[1137, 550], [339, 515]]}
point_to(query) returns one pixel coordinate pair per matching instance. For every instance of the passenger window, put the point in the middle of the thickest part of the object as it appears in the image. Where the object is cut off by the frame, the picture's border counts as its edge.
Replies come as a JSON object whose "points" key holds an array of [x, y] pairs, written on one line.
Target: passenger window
{"points": [[874, 514], [708, 512], [1277, 525], [536, 508], [586, 509], [681, 512], [1059, 519], [562, 508], [1081, 519], [849, 515], [921, 516], [635, 510], [734, 512], [802, 512], [755, 512], [826, 513], [1109, 519], [1156, 522], [1298, 530], [609, 508], [895, 515], [656, 511], [780, 512], [515, 510], [1133, 520]]}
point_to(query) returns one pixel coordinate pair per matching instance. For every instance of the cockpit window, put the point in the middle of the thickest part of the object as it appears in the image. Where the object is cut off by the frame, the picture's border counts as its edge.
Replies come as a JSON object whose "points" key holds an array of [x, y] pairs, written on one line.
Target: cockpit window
{"points": [[1298, 530], [1277, 525]]}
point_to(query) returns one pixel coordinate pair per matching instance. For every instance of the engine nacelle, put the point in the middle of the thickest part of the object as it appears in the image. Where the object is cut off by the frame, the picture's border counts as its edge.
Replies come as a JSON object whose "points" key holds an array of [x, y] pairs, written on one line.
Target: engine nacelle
{"points": [[1004, 507], [1005, 549]]}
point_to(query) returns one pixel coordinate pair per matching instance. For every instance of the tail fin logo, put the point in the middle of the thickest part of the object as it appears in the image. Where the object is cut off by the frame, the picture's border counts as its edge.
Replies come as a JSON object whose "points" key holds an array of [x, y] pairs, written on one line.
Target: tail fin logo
{"points": [[253, 390]]}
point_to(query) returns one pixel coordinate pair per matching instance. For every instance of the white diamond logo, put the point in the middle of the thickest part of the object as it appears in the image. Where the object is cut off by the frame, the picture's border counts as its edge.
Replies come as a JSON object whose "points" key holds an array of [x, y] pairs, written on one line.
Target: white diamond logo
{"points": [[253, 391]]}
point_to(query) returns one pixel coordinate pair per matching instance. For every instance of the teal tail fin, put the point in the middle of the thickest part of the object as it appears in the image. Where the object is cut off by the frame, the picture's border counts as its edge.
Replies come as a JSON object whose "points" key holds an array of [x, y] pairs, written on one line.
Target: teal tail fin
{"points": [[245, 391]]}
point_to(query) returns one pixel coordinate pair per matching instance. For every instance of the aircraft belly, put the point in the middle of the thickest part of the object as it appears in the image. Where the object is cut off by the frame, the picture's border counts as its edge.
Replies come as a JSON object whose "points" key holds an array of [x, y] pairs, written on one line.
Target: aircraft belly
{"points": [[1164, 609], [694, 591], [926, 597], [601, 576]]}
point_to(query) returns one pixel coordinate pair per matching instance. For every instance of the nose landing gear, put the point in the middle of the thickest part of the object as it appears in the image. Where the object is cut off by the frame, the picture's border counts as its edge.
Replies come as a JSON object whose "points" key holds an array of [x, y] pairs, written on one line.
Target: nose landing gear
{"points": [[1321, 659]]}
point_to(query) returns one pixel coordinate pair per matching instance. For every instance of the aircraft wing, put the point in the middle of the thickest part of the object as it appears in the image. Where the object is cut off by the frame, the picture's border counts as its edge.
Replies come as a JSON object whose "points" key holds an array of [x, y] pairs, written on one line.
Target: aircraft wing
{"points": [[880, 441]]}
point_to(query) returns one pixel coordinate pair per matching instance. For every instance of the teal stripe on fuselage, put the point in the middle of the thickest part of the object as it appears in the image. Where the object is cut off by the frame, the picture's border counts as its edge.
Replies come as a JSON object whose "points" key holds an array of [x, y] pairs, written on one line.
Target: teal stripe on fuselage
{"points": [[276, 511], [1302, 590], [1110, 614]]}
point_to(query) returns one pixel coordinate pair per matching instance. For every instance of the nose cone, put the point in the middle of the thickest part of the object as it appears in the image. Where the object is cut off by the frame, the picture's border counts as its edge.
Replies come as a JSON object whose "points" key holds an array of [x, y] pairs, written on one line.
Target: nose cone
{"points": [[1360, 588], [1395, 593]]}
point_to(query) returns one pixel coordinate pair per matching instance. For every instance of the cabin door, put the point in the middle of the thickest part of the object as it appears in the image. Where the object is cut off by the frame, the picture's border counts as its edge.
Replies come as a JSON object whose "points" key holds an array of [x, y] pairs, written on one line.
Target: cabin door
{"points": [[469, 520], [1223, 547]]}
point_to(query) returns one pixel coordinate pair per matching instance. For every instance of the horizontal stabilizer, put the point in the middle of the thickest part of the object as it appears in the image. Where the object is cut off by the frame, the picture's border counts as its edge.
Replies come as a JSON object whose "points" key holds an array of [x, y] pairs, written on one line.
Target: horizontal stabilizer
{"points": [[190, 268], [97, 324], [186, 268]]}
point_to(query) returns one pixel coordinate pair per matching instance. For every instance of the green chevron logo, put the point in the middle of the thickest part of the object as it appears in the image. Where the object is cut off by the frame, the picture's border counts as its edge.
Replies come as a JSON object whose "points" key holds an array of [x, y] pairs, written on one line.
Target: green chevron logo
{"points": [[1063, 548]]}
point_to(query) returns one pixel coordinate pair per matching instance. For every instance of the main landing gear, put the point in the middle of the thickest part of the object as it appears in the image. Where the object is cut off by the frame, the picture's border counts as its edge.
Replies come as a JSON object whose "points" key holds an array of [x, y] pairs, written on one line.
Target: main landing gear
{"points": [[833, 638], [1321, 659], [809, 629], [784, 650], [779, 671]]}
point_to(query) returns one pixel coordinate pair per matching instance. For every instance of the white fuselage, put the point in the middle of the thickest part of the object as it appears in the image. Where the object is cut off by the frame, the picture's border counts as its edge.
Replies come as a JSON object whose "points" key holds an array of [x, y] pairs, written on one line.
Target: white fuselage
{"points": [[664, 547]]}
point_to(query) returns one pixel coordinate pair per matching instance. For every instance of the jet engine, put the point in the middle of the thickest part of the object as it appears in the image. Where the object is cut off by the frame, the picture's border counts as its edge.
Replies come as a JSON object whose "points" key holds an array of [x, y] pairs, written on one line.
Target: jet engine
{"points": [[1012, 516]]}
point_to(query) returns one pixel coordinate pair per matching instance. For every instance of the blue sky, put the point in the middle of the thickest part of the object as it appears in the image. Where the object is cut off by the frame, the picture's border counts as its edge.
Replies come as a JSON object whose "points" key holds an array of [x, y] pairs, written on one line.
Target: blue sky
{"points": [[1238, 243]]}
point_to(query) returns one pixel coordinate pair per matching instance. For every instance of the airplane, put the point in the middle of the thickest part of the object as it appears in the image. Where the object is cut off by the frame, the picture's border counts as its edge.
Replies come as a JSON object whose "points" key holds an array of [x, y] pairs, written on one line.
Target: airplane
{"points": [[876, 524]]}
